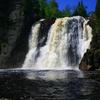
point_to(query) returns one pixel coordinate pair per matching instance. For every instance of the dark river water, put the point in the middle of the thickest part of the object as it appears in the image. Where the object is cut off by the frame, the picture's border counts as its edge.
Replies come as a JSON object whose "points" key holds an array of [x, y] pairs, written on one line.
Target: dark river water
{"points": [[49, 85]]}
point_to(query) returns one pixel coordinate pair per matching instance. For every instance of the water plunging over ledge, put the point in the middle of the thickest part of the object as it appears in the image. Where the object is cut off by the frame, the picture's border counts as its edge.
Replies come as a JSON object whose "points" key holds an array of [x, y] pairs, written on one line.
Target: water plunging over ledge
{"points": [[66, 42]]}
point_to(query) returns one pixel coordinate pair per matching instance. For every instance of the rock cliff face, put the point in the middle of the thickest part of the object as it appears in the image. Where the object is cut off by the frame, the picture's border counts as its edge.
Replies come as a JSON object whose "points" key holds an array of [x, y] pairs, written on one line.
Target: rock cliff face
{"points": [[91, 59], [16, 20], [15, 25]]}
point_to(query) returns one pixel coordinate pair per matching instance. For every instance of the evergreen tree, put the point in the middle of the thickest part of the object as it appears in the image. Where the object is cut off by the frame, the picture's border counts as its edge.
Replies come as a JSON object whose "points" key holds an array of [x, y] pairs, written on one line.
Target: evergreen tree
{"points": [[47, 12], [80, 10], [66, 12], [98, 16], [53, 9], [43, 6], [98, 9]]}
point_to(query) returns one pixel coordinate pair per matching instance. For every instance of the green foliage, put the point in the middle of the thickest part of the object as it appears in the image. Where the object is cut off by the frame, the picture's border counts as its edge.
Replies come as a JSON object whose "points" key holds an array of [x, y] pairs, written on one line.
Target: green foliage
{"points": [[97, 16], [42, 5], [45, 9], [53, 7], [80, 10], [96, 28], [51, 10], [98, 9], [66, 12]]}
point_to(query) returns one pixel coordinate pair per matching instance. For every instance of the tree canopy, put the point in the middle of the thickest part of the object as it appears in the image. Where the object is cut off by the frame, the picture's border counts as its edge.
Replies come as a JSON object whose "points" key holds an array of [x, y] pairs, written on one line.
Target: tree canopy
{"points": [[47, 9], [97, 12], [80, 10]]}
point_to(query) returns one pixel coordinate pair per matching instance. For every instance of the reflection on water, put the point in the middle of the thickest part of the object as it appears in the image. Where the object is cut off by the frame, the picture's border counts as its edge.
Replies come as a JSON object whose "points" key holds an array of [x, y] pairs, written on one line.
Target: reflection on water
{"points": [[54, 74], [49, 85]]}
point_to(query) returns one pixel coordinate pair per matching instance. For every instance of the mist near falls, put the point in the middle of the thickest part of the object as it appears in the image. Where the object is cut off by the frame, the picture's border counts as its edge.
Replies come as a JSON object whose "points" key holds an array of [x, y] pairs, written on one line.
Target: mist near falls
{"points": [[61, 48]]}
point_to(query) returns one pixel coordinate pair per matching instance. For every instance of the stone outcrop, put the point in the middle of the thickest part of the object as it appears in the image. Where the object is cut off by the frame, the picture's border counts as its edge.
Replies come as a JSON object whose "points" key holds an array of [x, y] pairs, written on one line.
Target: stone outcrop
{"points": [[15, 25], [91, 59]]}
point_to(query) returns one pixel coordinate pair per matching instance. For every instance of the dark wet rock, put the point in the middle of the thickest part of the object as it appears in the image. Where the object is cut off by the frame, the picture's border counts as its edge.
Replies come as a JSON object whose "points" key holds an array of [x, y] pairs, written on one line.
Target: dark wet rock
{"points": [[91, 59], [44, 29], [87, 61], [16, 19]]}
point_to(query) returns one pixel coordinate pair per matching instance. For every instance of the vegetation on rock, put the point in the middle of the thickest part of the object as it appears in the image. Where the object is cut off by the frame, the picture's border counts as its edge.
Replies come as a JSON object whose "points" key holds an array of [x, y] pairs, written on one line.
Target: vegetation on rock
{"points": [[92, 56]]}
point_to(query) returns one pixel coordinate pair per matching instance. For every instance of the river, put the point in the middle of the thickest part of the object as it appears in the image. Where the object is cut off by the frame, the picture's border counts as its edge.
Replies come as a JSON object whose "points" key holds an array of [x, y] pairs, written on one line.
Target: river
{"points": [[16, 84]]}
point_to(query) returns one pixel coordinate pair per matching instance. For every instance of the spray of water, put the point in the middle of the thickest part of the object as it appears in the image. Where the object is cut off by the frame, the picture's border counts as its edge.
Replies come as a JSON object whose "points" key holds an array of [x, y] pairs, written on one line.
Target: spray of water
{"points": [[68, 39]]}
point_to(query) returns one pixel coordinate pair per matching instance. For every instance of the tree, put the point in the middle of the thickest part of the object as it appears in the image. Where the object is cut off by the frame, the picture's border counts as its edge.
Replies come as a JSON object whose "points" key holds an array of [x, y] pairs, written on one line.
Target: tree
{"points": [[66, 12], [97, 12], [53, 9], [80, 10], [42, 5], [98, 9]]}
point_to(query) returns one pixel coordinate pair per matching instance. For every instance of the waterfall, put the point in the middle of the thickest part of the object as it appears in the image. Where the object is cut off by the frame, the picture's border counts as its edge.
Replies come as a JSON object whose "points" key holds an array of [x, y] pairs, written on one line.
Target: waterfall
{"points": [[67, 41]]}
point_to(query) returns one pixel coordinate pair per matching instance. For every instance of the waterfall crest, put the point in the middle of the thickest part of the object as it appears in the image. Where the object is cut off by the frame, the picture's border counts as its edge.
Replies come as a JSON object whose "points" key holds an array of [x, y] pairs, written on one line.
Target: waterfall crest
{"points": [[68, 39]]}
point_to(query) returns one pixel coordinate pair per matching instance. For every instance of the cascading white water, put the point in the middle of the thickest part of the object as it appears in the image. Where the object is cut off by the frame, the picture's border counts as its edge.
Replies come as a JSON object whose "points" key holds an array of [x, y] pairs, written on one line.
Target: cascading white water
{"points": [[68, 39]]}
